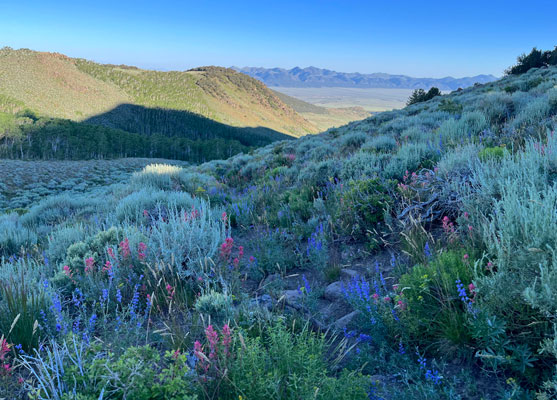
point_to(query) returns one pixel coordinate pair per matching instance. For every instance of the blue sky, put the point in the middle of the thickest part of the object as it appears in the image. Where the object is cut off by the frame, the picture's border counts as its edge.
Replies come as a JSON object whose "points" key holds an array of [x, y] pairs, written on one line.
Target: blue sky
{"points": [[416, 38]]}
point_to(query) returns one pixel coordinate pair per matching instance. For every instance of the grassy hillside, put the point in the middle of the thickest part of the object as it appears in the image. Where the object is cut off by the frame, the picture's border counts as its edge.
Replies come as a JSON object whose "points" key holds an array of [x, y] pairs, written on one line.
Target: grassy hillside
{"points": [[411, 255], [323, 117], [54, 85]]}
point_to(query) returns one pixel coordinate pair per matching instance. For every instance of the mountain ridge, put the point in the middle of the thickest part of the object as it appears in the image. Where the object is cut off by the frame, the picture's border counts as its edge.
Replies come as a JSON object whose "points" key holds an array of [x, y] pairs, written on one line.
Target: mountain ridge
{"points": [[319, 77], [55, 85]]}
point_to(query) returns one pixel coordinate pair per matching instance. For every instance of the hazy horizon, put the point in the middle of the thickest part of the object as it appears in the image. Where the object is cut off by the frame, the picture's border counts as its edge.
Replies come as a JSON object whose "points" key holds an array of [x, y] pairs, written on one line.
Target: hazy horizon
{"points": [[436, 39]]}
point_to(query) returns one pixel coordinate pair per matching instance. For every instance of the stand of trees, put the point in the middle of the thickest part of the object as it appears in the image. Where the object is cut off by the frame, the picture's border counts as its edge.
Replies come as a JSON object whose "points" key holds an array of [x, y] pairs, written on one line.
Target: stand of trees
{"points": [[22, 137], [420, 95], [535, 59]]}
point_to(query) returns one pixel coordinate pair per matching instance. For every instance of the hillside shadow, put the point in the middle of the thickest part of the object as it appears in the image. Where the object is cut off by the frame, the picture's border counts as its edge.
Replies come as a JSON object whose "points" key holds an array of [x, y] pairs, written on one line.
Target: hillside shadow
{"points": [[184, 124], [130, 130]]}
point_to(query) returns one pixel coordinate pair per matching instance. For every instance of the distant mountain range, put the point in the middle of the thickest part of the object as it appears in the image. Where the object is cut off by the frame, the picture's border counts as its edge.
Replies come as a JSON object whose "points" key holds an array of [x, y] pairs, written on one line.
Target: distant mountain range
{"points": [[312, 77]]}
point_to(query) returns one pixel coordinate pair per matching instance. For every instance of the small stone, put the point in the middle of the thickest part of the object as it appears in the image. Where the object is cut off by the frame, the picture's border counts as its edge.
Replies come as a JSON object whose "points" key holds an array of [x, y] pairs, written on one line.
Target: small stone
{"points": [[346, 320], [333, 292], [348, 274], [291, 296]]}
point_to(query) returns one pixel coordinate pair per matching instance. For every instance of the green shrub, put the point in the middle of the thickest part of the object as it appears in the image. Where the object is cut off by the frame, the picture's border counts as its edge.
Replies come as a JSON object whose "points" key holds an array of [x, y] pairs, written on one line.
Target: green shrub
{"points": [[285, 365], [492, 153], [361, 207], [435, 313]]}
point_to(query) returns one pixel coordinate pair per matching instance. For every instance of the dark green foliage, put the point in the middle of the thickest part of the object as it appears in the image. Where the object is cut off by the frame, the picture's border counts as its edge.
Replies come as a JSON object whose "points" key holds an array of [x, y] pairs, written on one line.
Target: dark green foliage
{"points": [[420, 95], [58, 139], [435, 313], [535, 59], [20, 307], [285, 365], [450, 106], [361, 208]]}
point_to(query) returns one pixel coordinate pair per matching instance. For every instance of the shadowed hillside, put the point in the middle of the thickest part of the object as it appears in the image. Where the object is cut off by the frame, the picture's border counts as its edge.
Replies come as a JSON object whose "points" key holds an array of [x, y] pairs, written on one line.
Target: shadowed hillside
{"points": [[128, 130]]}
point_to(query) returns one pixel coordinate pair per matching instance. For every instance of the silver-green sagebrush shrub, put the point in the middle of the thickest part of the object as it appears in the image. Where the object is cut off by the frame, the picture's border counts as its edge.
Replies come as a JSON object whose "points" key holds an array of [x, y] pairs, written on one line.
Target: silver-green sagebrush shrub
{"points": [[14, 235], [185, 237], [142, 205]]}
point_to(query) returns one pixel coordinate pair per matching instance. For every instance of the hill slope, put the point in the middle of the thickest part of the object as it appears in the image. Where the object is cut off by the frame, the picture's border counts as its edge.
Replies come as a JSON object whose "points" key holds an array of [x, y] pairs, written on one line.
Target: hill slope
{"points": [[323, 117], [317, 77], [54, 85], [423, 239]]}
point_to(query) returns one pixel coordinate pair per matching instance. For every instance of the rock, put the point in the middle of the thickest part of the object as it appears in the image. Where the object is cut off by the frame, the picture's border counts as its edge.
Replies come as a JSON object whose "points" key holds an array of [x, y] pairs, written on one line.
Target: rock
{"points": [[348, 274], [333, 292], [264, 301], [346, 320], [271, 278], [291, 296]]}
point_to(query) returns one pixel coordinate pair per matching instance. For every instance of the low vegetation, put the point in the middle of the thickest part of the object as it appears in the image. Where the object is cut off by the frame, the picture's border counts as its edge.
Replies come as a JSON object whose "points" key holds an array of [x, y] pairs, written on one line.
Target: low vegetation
{"points": [[410, 255]]}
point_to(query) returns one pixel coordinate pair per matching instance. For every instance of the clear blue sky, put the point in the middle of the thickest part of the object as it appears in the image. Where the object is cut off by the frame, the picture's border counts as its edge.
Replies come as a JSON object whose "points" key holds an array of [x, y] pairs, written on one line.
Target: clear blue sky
{"points": [[417, 38]]}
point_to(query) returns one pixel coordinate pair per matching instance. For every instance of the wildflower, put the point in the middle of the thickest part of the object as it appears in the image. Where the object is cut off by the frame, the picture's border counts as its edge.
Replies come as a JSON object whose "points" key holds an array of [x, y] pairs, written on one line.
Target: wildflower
{"points": [[466, 215], [107, 266], [212, 338], [224, 217], [89, 262], [465, 257], [236, 262], [67, 271], [386, 299], [401, 349], [118, 296], [226, 338], [170, 290], [145, 213], [110, 252], [402, 305], [125, 248], [142, 247], [427, 250], [4, 349], [375, 296]]}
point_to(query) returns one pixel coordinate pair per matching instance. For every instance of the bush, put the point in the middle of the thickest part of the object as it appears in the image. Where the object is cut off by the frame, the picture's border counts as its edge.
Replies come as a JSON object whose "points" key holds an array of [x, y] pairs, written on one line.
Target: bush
{"points": [[186, 238], [285, 365], [435, 312]]}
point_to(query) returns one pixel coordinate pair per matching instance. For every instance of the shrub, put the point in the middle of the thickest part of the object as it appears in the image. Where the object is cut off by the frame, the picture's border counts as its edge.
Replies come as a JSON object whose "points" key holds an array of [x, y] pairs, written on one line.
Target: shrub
{"points": [[380, 144], [14, 236], [362, 206], [146, 204], [435, 312], [186, 238], [88, 371], [286, 365], [214, 304]]}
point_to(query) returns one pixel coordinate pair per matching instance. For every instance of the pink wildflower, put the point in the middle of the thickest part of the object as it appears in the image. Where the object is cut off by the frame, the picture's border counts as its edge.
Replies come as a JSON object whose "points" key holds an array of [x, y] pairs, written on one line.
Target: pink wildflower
{"points": [[471, 287], [142, 247], [89, 262], [145, 213], [4, 349], [465, 257], [224, 217], [107, 267], [375, 296], [170, 290], [212, 338], [110, 252], [226, 338], [67, 271], [402, 305], [386, 299], [125, 248]]}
